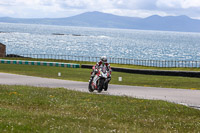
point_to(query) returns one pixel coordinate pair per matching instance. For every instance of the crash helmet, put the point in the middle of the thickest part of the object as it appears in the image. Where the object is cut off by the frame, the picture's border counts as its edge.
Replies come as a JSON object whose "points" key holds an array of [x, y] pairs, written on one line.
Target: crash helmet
{"points": [[103, 59]]}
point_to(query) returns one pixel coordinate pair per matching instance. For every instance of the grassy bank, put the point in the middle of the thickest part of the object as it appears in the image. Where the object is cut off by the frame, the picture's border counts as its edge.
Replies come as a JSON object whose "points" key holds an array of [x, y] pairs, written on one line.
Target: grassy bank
{"points": [[79, 74], [113, 65], [32, 109]]}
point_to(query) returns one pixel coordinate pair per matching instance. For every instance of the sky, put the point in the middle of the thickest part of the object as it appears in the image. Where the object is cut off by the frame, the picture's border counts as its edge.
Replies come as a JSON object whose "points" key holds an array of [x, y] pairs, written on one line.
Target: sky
{"points": [[66, 8]]}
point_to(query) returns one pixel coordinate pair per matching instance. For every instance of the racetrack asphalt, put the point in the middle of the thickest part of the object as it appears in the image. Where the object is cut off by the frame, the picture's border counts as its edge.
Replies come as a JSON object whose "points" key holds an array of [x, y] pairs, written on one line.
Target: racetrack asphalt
{"points": [[186, 97]]}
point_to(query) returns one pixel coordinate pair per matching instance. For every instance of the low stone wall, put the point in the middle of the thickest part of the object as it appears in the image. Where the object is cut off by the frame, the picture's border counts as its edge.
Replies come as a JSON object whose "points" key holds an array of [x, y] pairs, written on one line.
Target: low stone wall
{"points": [[40, 63]]}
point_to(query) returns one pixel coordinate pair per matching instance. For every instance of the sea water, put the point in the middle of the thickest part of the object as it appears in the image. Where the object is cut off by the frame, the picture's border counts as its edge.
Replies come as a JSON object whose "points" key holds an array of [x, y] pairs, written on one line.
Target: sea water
{"points": [[95, 42]]}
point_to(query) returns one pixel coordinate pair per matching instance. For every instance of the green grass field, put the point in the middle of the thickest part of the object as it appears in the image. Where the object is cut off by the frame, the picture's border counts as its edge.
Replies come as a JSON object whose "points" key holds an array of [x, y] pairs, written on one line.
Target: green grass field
{"points": [[79, 74], [33, 109]]}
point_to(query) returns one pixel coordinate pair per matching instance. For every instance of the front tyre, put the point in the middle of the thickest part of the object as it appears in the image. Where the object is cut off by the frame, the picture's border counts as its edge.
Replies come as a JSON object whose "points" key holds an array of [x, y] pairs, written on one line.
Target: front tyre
{"points": [[100, 85], [106, 86], [90, 86]]}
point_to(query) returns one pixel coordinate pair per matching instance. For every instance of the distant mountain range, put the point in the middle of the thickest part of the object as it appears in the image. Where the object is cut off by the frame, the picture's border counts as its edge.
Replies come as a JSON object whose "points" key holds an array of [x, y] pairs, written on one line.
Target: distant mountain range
{"points": [[105, 20]]}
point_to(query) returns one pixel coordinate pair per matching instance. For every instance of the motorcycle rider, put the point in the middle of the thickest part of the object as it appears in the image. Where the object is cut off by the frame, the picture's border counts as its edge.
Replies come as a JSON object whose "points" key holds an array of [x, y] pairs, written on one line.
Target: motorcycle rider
{"points": [[102, 62]]}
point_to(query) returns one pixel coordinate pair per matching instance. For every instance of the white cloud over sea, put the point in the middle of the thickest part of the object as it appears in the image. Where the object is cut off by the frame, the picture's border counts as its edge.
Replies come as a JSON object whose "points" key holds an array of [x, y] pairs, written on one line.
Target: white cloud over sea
{"points": [[65, 8]]}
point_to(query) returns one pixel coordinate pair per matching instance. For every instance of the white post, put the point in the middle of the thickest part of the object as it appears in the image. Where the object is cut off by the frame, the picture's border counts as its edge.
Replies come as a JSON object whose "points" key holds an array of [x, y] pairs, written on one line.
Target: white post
{"points": [[120, 79], [59, 74]]}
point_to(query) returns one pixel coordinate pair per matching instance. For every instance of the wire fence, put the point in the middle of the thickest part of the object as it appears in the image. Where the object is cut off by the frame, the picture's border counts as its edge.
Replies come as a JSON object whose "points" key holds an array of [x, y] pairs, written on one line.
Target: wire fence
{"points": [[152, 63]]}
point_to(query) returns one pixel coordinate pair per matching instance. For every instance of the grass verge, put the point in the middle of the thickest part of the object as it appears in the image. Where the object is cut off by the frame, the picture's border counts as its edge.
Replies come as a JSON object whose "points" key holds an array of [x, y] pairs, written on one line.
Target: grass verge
{"points": [[33, 109], [78, 74]]}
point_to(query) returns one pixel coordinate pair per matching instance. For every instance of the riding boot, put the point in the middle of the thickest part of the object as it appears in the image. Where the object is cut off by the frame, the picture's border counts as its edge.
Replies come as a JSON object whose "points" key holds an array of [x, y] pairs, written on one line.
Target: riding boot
{"points": [[92, 76]]}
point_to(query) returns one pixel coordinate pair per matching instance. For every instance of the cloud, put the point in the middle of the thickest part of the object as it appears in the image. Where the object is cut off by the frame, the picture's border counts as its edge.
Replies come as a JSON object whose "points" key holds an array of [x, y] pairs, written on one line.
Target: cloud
{"points": [[65, 8], [135, 13], [135, 4], [190, 8], [4, 11], [184, 4], [191, 4]]}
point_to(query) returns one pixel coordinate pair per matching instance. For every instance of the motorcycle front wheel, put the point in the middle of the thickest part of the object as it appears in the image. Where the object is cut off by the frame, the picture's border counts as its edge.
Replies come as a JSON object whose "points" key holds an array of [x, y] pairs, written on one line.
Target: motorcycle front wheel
{"points": [[90, 86], [100, 85], [106, 86]]}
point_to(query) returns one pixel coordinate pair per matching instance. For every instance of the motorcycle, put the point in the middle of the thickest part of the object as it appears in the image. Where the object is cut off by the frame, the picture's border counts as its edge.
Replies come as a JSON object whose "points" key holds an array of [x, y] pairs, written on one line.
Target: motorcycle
{"points": [[100, 80]]}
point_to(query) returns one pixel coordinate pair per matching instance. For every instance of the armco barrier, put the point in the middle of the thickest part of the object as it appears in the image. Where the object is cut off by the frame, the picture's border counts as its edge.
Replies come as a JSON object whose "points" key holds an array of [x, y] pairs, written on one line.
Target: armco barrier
{"points": [[40, 63], [152, 72]]}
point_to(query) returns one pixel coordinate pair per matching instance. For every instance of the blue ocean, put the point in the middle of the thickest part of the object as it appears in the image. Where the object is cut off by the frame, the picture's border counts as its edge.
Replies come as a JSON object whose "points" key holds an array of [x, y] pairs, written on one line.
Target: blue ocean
{"points": [[95, 42]]}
